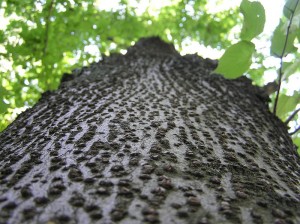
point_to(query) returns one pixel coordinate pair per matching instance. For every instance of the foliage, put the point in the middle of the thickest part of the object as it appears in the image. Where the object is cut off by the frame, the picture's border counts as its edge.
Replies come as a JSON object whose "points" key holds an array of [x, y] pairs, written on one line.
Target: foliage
{"points": [[237, 59], [41, 40], [44, 39], [254, 19]]}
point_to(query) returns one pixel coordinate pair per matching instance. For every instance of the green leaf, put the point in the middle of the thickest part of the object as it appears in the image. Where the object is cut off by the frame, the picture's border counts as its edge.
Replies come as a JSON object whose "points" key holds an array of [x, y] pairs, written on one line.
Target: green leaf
{"points": [[3, 106], [289, 7], [298, 34], [280, 42], [296, 141], [236, 60], [290, 68], [287, 104], [254, 19]]}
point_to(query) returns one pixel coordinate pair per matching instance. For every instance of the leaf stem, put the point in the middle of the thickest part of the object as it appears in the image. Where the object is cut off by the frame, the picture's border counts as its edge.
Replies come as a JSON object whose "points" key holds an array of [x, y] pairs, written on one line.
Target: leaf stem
{"points": [[281, 58]]}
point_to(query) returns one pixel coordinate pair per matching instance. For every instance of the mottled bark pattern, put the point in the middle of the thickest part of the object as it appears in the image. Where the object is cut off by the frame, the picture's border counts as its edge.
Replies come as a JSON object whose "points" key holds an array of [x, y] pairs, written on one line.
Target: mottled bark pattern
{"points": [[149, 137]]}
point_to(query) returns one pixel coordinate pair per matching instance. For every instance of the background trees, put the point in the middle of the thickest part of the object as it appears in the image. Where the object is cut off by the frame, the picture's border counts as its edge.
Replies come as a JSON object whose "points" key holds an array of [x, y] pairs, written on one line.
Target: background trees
{"points": [[41, 40]]}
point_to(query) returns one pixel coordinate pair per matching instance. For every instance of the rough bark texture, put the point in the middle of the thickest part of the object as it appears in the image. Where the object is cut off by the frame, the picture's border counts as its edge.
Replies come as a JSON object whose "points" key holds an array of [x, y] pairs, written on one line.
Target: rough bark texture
{"points": [[149, 137]]}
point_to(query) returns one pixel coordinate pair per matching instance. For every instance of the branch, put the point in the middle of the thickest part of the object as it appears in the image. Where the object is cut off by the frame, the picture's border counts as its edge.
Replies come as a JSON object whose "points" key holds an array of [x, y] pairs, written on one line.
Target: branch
{"points": [[291, 116], [295, 131], [281, 57], [270, 87]]}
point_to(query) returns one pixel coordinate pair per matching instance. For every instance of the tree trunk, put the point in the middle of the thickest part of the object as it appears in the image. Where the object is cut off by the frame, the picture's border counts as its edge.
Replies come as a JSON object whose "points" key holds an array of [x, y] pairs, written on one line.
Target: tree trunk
{"points": [[149, 137]]}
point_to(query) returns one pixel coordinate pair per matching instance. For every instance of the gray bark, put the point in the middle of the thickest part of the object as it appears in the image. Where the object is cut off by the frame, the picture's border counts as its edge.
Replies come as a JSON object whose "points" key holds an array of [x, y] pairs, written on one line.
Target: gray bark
{"points": [[149, 137]]}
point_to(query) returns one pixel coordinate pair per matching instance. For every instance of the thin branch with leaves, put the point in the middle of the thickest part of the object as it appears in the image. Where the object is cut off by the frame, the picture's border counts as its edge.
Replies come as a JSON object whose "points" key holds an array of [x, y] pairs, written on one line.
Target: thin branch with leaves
{"points": [[280, 72]]}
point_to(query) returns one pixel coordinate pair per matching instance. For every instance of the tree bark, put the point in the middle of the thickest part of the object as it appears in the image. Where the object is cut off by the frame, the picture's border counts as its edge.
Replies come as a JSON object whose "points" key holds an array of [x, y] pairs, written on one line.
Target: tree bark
{"points": [[149, 137]]}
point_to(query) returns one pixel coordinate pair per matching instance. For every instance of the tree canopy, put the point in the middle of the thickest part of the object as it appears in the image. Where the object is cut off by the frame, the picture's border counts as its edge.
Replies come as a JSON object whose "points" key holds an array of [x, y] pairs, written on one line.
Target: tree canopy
{"points": [[41, 40]]}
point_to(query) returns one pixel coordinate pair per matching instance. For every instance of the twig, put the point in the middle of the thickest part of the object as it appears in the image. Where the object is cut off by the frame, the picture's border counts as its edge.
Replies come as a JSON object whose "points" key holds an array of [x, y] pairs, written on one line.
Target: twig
{"points": [[291, 116], [281, 57], [295, 131]]}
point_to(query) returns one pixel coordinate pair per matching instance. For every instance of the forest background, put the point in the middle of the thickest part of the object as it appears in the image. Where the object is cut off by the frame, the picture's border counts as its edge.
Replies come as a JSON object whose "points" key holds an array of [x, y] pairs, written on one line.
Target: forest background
{"points": [[41, 40]]}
